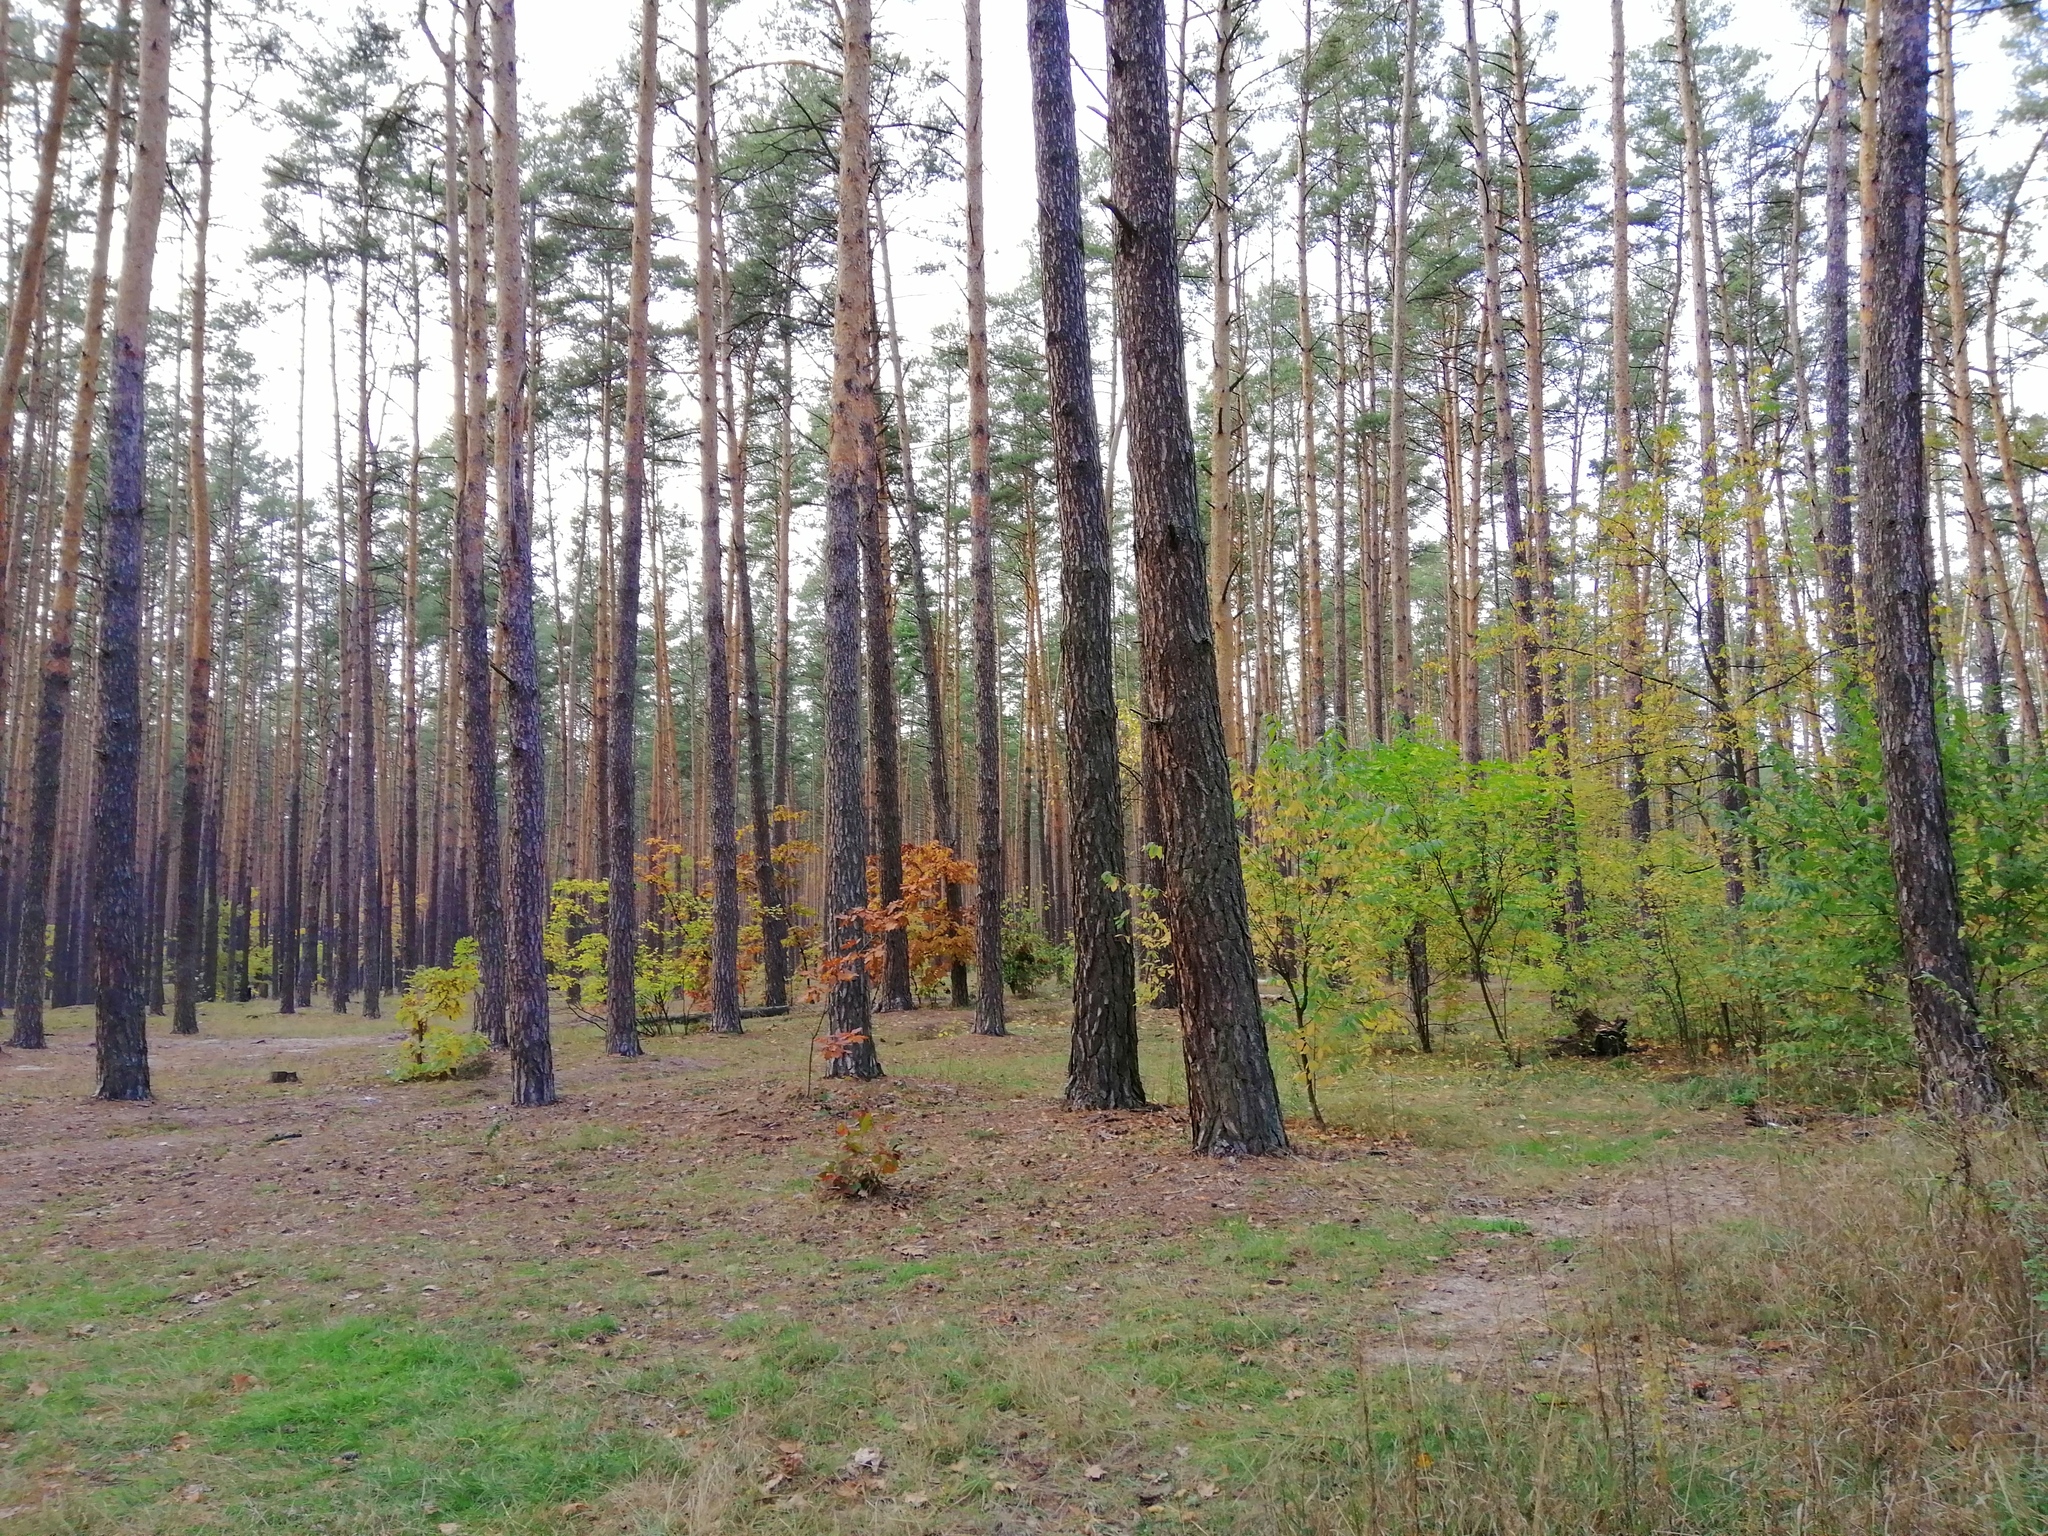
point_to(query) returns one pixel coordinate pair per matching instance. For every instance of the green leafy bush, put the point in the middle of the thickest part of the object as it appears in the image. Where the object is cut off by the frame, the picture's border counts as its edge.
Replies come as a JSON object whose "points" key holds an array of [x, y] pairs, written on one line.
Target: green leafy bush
{"points": [[436, 1053], [1029, 957]]}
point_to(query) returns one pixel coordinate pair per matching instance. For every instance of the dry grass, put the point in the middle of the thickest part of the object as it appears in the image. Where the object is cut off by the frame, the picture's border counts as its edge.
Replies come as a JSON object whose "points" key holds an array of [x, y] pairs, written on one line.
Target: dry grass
{"points": [[1583, 1297]]}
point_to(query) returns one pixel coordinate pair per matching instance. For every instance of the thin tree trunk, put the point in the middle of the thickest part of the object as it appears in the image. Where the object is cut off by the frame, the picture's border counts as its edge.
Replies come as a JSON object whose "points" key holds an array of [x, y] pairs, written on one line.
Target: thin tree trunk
{"points": [[1102, 1062], [1837, 554], [480, 751], [988, 728], [1233, 1102], [622, 949], [199, 625], [725, 872], [1395, 511], [53, 715], [1955, 1063], [1226, 425], [1635, 618], [945, 821]]}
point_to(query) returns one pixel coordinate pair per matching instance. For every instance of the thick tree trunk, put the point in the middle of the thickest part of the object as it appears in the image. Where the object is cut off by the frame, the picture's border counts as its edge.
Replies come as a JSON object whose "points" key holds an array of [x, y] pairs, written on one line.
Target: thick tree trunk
{"points": [[526, 885], [725, 869], [1102, 1062], [123, 1054], [55, 703], [852, 486], [988, 726], [1956, 1074], [1233, 1103], [622, 844]]}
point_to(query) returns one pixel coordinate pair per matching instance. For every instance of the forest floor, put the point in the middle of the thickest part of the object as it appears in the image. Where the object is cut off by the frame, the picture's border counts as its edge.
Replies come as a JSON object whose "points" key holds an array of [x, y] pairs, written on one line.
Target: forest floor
{"points": [[347, 1305]]}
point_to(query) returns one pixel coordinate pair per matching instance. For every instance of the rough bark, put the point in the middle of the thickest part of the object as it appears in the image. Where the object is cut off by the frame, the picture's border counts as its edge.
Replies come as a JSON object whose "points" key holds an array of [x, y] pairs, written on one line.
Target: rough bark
{"points": [[1233, 1102], [853, 461], [1102, 1061], [526, 884], [123, 1054], [1955, 1064]]}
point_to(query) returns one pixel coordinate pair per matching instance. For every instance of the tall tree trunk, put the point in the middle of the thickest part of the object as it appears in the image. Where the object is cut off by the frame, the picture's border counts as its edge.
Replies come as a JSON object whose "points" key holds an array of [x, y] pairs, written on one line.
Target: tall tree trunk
{"points": [[1635, 545], [988, 725], [199, 623], [480, 747], [1226, 427], [1233, 1102], [1528, 669], [526, 885], [1961, 395], [725, 869], [945, 820], [622, 936], [1315, 697], [1837, 554], [55, 702], [1395, 511], [1714, 648], [123, 1054], [1955, 1064], [27, 302], [1102, 1063], [852, 485]]}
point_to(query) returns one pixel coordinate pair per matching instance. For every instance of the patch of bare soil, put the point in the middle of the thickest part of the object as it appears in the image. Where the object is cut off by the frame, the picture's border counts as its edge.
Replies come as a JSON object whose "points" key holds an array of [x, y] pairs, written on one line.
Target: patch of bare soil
{"points": [[1493, 1301]]}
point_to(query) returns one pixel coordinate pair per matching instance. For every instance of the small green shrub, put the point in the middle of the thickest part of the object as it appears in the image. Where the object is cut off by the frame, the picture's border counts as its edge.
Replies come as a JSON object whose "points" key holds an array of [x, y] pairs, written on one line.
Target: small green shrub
{"points": [[1029, 957], [435, 1053]]}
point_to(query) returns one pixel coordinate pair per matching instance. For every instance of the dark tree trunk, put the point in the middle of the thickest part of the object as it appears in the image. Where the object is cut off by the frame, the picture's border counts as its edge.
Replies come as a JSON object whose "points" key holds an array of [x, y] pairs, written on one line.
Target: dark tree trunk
{"points": [[622, 933], [1233, 1102], [725, 868], [1102, 1063], [526, 1023], [487, 900], [123, 1054], [988, 722], [852, 487], [1955, 1065]]}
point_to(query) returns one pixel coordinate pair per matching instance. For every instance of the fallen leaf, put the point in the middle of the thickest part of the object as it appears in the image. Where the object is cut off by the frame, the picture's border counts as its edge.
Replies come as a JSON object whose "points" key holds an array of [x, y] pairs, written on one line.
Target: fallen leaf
{"points": [[1003, 1487], [917, 1500], [1094, 1473], [448, 1528], [899, 1348], [732, 1354], [768, 1488], [84, 1330], [241, 1381], [192, 1493], [866, 1459], [962, 1465], [575, 1507], [1208, 1490], [1295, 1394], [39, 1389], [181, 1441], [791, 1457]]}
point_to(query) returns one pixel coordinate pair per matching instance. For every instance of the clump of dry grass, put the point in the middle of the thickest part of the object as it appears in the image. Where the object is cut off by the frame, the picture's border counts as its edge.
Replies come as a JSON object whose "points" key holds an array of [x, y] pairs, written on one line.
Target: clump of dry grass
{"points": [[1860, 1353]]}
